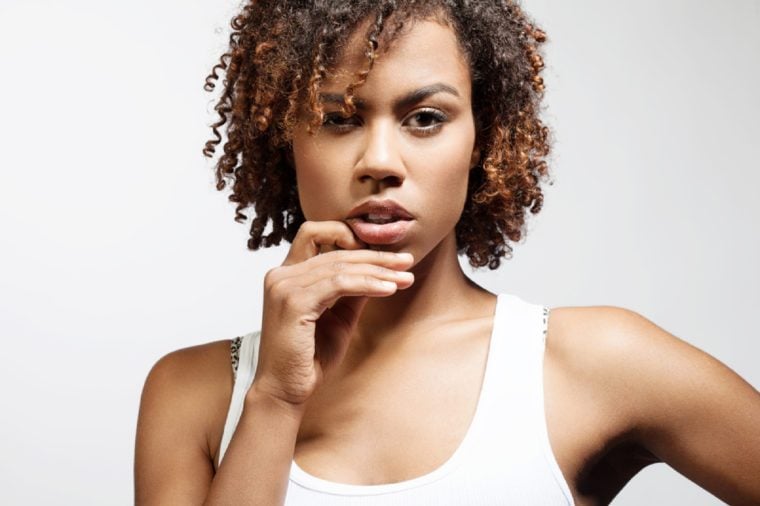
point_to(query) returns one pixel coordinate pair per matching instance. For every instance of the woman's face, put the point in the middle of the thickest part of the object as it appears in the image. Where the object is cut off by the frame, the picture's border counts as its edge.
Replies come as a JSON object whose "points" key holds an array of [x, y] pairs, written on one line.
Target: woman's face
{"points": [[411, 141]]}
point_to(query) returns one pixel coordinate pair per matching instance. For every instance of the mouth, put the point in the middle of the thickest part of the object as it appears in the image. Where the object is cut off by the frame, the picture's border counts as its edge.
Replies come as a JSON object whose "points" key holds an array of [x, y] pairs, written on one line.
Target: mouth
{"points": [[380, 222], [380, 210], [376, 232]]}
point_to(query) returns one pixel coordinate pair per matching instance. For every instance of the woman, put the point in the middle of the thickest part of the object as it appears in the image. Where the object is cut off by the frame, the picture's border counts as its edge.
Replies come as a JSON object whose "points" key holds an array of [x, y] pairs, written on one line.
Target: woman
{"points": [[381, 140]]}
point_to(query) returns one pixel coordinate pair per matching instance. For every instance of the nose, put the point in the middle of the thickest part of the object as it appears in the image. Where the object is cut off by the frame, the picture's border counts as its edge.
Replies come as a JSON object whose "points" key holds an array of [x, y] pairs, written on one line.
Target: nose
{"points": [[381, 158]]}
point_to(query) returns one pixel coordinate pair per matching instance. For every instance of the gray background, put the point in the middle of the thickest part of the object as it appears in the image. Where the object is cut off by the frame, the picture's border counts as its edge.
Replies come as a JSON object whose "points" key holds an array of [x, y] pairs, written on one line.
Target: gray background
{"points": [[116, 249]]}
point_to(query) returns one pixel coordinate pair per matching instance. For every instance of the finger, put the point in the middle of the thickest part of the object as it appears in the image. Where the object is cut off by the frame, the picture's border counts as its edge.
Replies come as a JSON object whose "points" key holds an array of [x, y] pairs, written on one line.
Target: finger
{"points": [[401, 277], [324, 293], [312, 236], [294, 273], [387, 259], [326, 248]]}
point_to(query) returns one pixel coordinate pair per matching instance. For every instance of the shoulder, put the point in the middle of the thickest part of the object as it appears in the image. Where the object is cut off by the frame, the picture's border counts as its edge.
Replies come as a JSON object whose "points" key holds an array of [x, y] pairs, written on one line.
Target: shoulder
{"points": [[683, 405], [629, 357], [195, 369], [186, 394], [593, 370], [594, 338], [622, 347]]}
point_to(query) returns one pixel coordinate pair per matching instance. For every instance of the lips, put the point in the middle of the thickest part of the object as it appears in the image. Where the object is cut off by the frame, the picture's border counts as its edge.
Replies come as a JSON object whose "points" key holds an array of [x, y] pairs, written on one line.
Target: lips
{"points": [[380, 233], [386, 233], [384, 207]]}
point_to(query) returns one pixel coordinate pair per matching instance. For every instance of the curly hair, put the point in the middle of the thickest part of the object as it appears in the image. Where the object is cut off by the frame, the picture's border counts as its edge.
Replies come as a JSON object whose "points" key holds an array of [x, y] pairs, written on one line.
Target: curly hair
{"points": [[281, 51]]}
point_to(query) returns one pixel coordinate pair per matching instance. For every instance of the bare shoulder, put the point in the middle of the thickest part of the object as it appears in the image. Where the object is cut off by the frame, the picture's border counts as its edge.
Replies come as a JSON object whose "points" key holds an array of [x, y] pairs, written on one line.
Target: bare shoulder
{"points": [[582, 333], [182, 411], [191, 377], [614, 358], [622, 348], [683, 405], [629, 356]]}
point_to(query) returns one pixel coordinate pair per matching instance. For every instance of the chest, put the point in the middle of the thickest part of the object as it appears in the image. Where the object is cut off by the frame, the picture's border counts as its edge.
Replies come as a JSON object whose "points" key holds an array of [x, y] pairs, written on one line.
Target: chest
{"points": [[410, 421], [393, 420]]}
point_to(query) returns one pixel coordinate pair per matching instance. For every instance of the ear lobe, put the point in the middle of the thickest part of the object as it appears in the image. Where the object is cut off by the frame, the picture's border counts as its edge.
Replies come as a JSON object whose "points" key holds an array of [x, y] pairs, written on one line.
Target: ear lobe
{"points": [[475, 158]]}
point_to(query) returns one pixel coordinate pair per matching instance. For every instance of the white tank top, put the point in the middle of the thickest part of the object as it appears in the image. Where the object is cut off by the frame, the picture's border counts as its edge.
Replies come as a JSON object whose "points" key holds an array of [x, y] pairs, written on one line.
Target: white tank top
{"points": [[505, 456]]}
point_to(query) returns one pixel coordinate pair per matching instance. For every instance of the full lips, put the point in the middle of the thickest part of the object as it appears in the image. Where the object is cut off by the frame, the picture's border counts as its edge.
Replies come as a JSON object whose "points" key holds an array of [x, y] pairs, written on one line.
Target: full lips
{"points": [[377, 233]]}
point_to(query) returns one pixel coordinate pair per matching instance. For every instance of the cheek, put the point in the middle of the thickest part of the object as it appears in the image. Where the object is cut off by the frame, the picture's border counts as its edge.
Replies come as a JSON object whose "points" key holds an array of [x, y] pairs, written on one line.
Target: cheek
{"points": [[319, 181], [446, 168]]}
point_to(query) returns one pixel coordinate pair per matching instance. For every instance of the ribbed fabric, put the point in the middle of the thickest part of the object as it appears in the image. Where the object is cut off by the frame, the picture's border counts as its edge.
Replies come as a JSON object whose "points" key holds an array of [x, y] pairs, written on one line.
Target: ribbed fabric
{"points": [[505, 456]]}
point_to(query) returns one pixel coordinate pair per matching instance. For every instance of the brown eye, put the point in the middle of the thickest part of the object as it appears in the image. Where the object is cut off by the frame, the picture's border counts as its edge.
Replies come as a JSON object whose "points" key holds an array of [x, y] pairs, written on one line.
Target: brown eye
{"points": [[427, 121], [336, 121]]}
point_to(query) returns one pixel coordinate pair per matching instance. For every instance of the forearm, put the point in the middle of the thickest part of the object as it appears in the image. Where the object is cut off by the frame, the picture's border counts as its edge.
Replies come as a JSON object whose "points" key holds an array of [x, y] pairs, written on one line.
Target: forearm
{"points": [[256, 466]]}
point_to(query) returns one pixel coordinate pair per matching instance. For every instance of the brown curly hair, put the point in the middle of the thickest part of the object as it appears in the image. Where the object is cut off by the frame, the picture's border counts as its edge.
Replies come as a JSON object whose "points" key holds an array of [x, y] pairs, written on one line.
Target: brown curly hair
{"points": [[280, 52]]}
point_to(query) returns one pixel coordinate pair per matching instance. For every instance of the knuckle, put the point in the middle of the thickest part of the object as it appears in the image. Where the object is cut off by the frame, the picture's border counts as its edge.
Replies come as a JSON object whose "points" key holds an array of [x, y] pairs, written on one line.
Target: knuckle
{"points": [[281, 287], [307, 227], [379, 270], [340, 280], [279, 290], [338, 266], [270, 278], [288, 299]]}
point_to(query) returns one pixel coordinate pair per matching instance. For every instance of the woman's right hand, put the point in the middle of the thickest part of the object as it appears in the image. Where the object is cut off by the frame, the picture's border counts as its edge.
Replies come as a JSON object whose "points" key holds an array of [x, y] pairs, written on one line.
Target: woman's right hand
{"points": [[312, 303]]}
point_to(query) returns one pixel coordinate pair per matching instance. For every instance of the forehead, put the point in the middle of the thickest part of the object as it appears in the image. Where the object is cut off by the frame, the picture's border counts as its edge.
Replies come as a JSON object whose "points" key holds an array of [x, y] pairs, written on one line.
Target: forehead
{"points": [[425, 52]]}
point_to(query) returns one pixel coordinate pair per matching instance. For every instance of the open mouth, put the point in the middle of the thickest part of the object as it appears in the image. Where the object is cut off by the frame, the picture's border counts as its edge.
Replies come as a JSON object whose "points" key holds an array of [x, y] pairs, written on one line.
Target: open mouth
{"points": [[374, 229], [378, 219]]}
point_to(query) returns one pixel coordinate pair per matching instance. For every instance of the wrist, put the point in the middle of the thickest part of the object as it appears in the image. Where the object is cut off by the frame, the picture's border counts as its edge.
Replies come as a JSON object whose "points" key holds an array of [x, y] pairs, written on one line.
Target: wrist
{"points": [[261, 397]]}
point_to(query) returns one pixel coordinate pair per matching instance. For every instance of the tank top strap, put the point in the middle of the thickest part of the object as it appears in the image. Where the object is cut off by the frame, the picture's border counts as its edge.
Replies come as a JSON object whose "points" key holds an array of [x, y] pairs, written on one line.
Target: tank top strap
{"points": [[513, 392], [244, 356], [235, 354], [515, 368]]}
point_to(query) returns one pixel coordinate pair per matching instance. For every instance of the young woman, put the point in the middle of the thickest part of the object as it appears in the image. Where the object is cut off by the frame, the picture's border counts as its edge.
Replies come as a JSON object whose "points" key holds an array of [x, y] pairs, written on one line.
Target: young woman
{"points": [[382, 139]]}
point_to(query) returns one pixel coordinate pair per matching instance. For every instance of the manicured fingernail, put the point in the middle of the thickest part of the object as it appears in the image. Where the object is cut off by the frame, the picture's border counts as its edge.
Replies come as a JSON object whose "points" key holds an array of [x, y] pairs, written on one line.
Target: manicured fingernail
{"points": [[405, 256]]}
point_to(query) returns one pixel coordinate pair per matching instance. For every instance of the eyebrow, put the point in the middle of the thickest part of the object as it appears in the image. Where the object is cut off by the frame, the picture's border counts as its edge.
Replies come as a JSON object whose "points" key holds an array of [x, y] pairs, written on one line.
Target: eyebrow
{"points": [[405, 101]]}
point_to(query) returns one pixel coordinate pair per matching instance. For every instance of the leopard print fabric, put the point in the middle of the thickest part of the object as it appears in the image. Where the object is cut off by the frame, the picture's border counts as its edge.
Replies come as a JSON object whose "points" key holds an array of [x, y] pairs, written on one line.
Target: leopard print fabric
{"points": [[235, 353]]}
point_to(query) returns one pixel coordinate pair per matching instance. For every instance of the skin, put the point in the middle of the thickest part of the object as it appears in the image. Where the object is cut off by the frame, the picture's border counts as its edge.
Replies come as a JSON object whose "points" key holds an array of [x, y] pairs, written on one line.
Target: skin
{"points": [[620, 393], [407, 155]]}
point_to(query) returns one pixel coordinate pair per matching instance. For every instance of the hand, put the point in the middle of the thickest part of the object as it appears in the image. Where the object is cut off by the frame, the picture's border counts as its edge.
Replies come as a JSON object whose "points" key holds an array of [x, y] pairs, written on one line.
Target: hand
{"points": [[312, 303]]}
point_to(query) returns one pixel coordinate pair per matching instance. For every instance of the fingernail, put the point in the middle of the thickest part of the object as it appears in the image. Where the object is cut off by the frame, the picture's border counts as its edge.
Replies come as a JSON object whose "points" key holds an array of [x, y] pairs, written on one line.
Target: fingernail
{"points": [[405, 256]]}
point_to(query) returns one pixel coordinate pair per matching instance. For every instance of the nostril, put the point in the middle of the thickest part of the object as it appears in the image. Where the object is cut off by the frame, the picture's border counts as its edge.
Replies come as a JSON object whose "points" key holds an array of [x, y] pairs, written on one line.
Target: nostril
{"points": [[389, 180], [392, 180]]}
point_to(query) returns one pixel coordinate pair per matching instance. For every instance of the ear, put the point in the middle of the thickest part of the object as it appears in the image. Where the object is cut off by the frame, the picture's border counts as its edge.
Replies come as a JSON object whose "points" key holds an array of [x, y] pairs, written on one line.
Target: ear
{"points": [[475, 158]]}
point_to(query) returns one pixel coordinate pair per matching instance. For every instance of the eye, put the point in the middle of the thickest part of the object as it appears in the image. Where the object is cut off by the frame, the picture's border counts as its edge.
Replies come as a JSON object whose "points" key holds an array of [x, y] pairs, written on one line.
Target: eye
{"points": [[336, 121], [427, 121]]}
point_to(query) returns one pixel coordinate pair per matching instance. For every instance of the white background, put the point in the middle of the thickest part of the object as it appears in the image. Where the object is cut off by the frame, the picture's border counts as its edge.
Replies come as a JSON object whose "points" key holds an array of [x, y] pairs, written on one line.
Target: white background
{"points": [[116, 248]]}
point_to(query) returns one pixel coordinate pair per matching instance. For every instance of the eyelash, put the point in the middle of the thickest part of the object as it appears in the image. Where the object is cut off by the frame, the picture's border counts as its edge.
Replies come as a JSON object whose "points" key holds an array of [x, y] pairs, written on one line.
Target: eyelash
{"points": [[435, 114]]}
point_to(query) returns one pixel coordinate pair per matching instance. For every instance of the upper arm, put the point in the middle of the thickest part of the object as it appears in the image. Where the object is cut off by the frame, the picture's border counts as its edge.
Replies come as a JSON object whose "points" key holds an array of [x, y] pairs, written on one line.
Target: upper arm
{"points": [[182, 410], [686, 407]]}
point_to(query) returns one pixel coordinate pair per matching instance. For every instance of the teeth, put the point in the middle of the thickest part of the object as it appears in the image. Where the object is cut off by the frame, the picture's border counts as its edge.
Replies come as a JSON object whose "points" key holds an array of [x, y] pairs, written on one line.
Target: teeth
{"points": [[379, 218], [371, 216]]}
